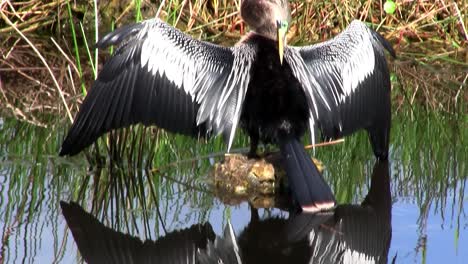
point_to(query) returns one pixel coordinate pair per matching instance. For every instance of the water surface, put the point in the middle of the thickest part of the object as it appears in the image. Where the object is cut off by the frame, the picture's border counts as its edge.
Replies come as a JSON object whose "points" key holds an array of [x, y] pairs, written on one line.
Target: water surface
{"points": [[426, 182]]}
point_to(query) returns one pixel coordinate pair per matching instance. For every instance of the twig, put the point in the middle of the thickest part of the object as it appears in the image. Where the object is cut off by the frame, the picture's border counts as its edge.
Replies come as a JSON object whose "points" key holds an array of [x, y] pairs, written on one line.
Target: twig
{"points": [[17, 112], [65, 55], [461, 87], [160, 8], [71, 77], [461, 20], [410, 25], [43, 61], [323, 144]]}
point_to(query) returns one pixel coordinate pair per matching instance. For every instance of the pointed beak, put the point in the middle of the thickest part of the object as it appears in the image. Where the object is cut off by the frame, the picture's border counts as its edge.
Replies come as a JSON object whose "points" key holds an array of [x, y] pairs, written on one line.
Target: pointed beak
{"points": [[281, 40]]}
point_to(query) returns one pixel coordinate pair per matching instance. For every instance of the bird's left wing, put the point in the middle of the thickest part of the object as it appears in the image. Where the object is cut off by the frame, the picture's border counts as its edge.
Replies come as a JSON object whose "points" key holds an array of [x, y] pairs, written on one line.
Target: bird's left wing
{"points": [[159, 75], [345, 79]]}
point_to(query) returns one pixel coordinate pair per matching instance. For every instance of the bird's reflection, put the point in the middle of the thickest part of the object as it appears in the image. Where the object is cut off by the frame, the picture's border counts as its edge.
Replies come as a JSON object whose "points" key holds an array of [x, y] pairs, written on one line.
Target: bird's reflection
{"points": [[349, 234], [352, 233]]}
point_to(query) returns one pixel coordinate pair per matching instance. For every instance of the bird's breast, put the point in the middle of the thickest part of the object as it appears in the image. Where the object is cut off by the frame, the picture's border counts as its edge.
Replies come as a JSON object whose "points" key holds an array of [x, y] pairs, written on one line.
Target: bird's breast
{"points": [[275, 99]]}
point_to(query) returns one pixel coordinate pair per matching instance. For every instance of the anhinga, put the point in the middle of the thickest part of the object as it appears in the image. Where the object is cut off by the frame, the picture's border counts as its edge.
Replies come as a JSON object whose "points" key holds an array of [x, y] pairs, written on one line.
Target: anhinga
{"points": [[352, 233], [159, 75]]}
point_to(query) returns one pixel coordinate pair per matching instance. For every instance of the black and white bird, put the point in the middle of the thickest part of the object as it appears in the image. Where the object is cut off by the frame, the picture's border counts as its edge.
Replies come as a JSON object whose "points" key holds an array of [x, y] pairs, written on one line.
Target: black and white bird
{"points": [[353, 233], [275, 92], [197, 244]]}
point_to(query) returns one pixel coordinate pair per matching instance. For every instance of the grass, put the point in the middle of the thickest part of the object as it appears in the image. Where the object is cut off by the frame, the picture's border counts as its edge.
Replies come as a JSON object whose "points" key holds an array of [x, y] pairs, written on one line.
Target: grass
{"points": [[428, 169], [429, 37], [429, 83]]}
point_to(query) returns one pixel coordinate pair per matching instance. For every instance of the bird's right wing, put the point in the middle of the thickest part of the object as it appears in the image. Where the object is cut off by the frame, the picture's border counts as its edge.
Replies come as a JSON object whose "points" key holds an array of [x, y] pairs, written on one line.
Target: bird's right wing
{"points": [[159, 75], [345, 79], [98, 243]]}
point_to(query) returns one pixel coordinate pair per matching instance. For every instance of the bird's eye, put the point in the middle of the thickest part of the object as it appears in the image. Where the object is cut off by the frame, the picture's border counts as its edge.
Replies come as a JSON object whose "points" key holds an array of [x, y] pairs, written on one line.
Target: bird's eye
{"points": [[282, 24]]}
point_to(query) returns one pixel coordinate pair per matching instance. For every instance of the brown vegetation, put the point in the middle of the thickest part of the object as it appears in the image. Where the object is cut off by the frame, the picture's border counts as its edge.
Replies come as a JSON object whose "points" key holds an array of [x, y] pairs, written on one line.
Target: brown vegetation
{"points": [[41, 73]]}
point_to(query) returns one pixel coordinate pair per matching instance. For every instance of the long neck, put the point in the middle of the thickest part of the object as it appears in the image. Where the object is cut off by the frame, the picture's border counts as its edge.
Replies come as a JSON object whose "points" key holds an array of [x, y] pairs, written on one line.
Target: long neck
{"points": [[266, 31]]}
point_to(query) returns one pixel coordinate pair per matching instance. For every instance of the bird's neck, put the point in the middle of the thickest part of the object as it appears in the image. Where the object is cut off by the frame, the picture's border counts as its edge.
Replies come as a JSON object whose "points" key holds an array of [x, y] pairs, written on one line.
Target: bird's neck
{"points": [[253, 35], [267, 32]]}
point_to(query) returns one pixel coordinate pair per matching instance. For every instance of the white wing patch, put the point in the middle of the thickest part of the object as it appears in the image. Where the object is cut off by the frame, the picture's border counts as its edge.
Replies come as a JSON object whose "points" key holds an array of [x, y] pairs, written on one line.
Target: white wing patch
{"points": [[335, 70], [167, 54], [360, 64], [238, 81]]}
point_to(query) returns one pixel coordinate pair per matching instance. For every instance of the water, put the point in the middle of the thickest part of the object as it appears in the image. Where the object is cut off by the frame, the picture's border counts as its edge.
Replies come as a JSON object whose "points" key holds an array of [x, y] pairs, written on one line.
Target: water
{"points": [[426, 197]]}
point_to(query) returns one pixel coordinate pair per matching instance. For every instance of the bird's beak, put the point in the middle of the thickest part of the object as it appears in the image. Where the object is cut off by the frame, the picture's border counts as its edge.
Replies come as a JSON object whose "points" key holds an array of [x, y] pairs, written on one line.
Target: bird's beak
{"points": [[282, 30]]}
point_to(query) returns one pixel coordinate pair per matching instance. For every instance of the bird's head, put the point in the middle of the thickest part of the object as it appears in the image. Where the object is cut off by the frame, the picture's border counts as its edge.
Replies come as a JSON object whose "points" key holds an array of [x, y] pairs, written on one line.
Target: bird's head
{"points": [[269, 18]]}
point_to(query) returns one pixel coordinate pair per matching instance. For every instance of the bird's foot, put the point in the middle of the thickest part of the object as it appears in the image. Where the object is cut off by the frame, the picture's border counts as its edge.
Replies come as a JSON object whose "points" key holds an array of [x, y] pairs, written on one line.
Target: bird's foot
{"points": [[253, 155]]}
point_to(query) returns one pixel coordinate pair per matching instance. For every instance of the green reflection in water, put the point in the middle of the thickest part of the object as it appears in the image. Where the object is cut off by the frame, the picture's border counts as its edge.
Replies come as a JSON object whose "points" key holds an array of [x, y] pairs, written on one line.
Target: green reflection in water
{"points": [[152, 190]]}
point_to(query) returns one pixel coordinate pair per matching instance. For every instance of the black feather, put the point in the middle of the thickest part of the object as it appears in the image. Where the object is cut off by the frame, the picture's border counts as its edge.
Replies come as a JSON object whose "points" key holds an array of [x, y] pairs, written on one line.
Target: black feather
{"points": [[100, 244], [127, 92], [307, 184], [277, 101], [367, 106], [384, 43], [276, 111]]}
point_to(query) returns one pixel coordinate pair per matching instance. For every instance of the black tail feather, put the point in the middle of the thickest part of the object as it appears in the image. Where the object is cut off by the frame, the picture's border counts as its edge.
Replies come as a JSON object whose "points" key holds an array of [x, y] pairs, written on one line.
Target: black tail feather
{"points": [[384, 43], [307, 184]]}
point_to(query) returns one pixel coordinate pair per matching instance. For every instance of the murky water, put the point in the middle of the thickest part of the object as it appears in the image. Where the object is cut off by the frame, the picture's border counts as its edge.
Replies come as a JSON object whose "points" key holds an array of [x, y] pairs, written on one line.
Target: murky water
{"points": [[412, 210]]}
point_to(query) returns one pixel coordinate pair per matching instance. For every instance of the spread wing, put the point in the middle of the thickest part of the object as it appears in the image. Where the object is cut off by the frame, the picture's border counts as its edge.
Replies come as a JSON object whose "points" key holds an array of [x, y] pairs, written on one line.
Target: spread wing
{"points": [[346, 80], [100, 244], [159, 75]]}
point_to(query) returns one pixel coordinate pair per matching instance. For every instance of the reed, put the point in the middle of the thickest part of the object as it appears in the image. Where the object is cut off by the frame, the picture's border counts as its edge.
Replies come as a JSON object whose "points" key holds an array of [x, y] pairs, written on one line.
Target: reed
{"points": [[429, 36]]}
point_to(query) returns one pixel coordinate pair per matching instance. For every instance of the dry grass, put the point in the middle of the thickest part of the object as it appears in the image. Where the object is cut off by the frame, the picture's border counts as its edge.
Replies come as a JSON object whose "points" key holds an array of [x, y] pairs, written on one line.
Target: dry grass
{"points": [[429, 37]]}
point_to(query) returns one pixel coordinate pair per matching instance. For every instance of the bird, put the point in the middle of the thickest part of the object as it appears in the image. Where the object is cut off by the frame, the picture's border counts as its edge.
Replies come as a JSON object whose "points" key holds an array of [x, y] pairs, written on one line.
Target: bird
{"points": [[352, 233], [275, 92]]}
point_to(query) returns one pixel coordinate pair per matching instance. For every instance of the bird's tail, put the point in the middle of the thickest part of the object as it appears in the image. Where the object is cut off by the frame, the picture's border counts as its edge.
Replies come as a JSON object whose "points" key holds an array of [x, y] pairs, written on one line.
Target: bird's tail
{"points": [[307, 184]]}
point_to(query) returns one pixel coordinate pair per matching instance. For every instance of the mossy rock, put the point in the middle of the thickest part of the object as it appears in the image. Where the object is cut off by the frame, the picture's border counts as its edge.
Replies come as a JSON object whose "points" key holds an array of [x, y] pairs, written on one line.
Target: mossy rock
{"points": [[259, 181]]}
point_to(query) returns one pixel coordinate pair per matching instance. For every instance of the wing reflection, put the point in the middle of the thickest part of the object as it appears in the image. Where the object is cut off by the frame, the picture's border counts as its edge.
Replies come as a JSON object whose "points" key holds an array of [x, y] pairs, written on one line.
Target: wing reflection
{"points": [[100, 244], [349, 234], [353, 233]]}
